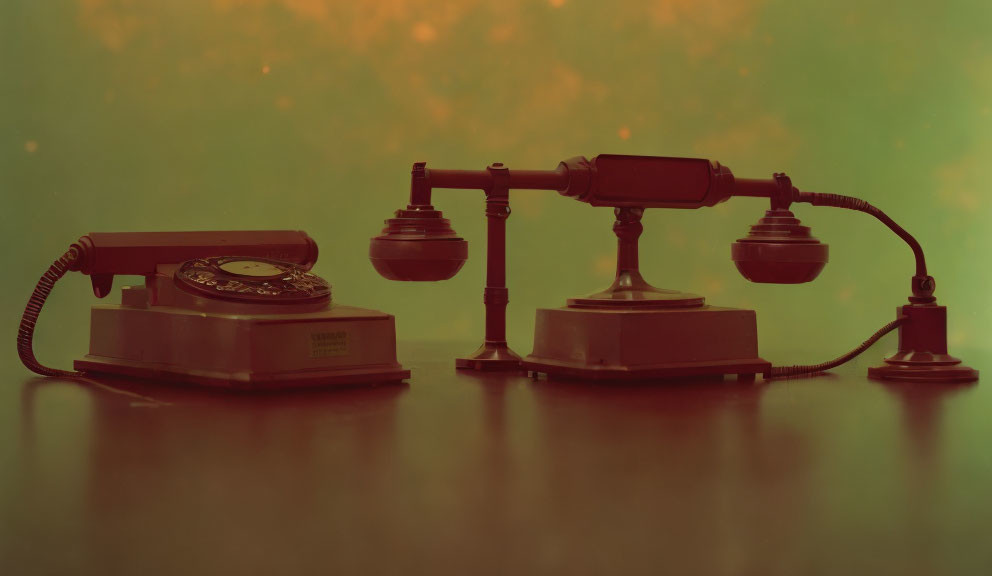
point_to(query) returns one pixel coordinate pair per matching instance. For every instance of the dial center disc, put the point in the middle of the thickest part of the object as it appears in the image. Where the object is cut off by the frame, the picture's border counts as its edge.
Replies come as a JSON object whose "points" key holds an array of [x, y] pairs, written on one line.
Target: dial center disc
{"points": [[250, 268], [256, 280]]}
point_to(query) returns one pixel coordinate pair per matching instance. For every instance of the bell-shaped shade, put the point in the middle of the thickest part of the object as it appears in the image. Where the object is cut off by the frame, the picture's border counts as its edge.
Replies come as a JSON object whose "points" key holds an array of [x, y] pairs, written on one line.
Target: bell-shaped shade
{"points": [[778, 250], [418, 245]]}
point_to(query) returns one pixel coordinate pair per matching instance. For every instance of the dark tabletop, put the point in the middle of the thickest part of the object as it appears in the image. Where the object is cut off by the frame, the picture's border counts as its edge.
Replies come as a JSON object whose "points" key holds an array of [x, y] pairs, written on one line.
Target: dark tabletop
{"points": [[460, 473]]}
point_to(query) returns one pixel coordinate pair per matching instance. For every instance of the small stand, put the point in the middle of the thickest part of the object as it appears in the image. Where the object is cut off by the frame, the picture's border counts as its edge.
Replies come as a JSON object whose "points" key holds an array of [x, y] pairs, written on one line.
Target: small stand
{"points": [[922, 354]]}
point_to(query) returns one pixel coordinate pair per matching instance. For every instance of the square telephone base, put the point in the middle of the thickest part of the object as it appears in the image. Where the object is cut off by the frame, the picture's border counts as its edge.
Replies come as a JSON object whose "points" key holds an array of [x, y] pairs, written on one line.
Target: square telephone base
{"points": [[337, 346], [604, 344]]}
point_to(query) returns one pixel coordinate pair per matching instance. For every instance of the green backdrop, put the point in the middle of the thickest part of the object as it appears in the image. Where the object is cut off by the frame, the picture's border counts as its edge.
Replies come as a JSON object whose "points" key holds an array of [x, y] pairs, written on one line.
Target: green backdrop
{"points": [[232, 114]]}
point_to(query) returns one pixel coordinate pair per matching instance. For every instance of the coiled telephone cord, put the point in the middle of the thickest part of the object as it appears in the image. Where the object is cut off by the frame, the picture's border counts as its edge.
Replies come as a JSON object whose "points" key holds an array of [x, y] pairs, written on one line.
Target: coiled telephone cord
{"points": [[25, 333]]}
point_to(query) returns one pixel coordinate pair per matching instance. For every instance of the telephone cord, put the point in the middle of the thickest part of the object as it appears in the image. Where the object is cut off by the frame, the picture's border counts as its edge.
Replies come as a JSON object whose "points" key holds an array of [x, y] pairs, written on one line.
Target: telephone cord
{"points": [[25, 333], [852, 203], [793, 371]]}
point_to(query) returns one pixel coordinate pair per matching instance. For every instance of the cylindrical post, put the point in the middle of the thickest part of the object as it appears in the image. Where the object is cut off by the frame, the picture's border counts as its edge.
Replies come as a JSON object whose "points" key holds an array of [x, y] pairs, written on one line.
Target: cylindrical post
{"points": [[627, 228], [494, 354], [496, 295]]}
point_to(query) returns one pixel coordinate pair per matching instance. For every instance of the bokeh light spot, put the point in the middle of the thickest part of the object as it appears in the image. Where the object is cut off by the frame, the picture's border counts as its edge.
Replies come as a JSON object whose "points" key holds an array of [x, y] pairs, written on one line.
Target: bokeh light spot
{"points": [[845, 294], [501, 33], [676, 237], [424, 33], [712, 285], [459, 327], [529, 204], [605, 265], [957, 338], [31, 146], [958, 182]]}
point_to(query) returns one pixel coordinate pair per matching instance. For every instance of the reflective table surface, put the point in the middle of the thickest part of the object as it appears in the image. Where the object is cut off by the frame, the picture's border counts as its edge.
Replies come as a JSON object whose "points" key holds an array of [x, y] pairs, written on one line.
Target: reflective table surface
{"points": [[466, 473]]}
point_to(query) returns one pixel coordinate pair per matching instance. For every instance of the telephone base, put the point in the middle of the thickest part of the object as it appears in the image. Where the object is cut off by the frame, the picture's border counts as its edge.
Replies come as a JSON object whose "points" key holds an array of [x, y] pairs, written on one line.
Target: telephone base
{"points": [[252, 381], [333, 346], [631, 344]]}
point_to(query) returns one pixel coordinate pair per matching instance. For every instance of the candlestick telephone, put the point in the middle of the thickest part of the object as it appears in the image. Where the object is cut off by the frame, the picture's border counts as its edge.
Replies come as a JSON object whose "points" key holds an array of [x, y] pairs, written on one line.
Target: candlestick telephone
{"points": [[633, 330]]}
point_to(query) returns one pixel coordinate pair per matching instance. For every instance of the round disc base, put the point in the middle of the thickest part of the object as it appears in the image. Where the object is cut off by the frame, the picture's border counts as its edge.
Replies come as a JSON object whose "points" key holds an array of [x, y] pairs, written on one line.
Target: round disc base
{"points": [[634, 298], [923, 373], [491, 356]]}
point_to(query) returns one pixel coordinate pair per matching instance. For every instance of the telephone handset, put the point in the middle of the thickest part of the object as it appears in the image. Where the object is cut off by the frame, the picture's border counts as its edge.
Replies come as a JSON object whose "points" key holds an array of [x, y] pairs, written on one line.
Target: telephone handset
{"points": [[238, 309]]}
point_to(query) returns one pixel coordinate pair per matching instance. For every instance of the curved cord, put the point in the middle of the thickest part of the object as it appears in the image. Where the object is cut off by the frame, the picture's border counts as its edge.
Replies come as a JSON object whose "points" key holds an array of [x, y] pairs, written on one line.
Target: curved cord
{"points": [[851, 203], [923, 284], [792, 371], [25, 333]]}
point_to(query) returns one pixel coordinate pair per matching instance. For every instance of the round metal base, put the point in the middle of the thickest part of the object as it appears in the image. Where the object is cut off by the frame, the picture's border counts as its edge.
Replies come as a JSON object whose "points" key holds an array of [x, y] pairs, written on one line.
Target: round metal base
{"points": [[645, 298], [490, 357], [939, 370]]}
